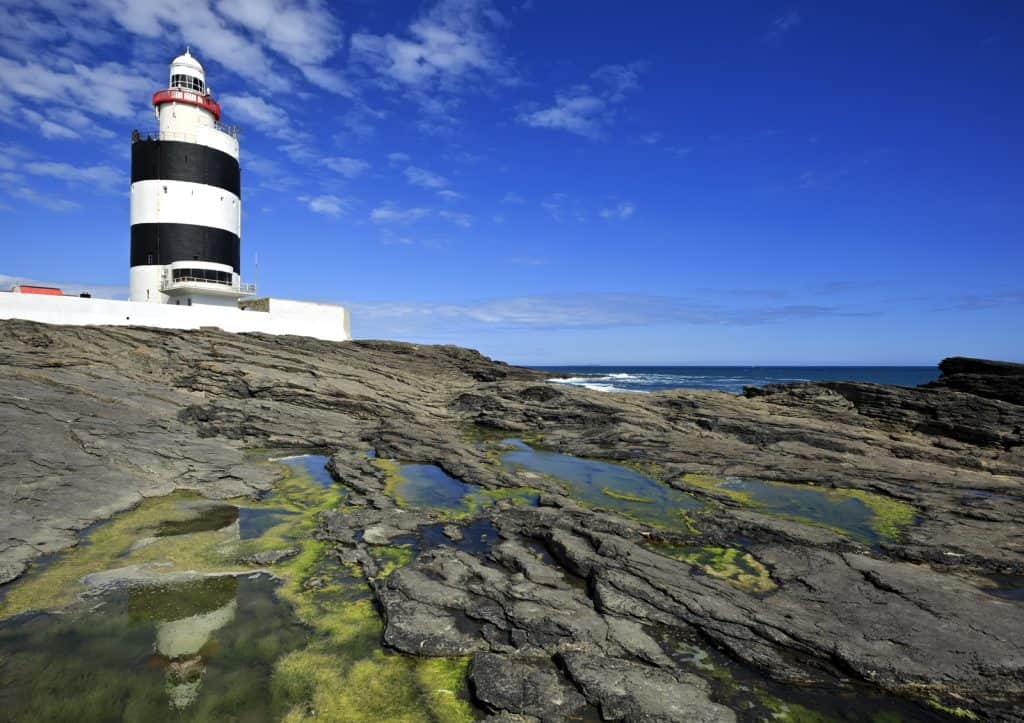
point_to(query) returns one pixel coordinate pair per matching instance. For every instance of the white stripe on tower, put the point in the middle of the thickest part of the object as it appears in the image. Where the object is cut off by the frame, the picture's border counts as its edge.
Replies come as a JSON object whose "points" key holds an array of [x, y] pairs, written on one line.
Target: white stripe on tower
{"points": [[161, 201]]}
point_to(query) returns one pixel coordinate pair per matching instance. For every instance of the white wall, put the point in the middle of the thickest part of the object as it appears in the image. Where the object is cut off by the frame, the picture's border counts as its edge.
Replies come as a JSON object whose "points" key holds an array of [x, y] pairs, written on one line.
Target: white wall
{"points": [[320, 321]]}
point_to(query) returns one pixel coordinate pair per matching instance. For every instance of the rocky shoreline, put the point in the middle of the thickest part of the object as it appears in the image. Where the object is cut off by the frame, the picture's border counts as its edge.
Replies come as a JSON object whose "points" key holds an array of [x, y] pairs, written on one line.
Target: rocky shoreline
{"points": [[569, 608]]}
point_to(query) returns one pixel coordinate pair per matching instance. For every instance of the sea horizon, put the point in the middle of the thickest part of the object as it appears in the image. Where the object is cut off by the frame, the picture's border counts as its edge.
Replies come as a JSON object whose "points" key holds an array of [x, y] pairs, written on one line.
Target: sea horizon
{"points": [[730, 377]]}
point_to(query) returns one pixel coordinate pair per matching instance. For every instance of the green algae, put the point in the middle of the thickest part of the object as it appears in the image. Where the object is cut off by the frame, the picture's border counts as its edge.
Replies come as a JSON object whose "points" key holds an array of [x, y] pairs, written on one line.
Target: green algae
{"points": [[867, 515], [738, 568], [128, 539], [340, 673], [392, 557], [891, 517], [428, 486], [603, 485], [624, 496], [955, 711]]}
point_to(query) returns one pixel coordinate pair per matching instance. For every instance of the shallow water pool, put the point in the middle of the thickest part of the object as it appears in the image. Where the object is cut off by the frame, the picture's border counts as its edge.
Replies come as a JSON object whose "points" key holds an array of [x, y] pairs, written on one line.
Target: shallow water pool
{"points": [[606, 485], [201, 650]]}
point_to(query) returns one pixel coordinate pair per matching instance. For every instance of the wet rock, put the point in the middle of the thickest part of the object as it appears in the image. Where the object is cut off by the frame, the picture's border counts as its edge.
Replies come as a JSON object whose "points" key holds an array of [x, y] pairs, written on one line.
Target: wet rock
{"points": [[524, 686], [96, 419], [272, 557], [633, 692], [453, 532]]}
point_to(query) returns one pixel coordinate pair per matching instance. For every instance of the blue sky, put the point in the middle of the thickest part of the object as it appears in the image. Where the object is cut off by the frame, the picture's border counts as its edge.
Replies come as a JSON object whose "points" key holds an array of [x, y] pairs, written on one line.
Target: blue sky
{"points": [[562, 182]]}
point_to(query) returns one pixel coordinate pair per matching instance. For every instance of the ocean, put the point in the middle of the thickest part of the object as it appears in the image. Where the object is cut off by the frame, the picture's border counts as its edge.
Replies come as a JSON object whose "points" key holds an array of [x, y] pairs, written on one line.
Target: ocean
{"points": [[729, 379]]}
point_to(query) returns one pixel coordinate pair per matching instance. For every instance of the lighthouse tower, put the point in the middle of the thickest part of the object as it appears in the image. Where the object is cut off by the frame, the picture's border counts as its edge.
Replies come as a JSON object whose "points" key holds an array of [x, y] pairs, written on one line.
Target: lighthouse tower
{"points": [[186, 208]]}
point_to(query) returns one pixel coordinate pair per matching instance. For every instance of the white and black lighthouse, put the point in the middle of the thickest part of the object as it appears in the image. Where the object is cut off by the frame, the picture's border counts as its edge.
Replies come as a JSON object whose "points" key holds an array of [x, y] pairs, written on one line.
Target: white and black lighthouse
{"points": [[186, 227], [186, 207]]}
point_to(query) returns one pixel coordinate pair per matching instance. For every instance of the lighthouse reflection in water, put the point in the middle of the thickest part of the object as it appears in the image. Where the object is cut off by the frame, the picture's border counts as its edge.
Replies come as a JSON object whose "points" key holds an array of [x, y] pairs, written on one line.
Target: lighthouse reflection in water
{"points": [[187, 617], [203, 649]]}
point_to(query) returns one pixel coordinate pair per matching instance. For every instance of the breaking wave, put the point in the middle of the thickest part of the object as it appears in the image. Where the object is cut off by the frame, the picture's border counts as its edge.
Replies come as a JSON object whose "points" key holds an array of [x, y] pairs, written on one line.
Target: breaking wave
{"points": [[728, 379]]}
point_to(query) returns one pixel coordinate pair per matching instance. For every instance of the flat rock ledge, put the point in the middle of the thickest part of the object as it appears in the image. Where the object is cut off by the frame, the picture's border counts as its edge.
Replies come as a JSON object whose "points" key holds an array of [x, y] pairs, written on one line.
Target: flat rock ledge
{"points": [[566, 611]]}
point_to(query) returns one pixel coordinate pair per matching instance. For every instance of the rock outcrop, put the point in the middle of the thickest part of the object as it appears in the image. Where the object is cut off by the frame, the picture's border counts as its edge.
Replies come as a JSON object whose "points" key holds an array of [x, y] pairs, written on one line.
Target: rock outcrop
{"points": [[567, 610]]}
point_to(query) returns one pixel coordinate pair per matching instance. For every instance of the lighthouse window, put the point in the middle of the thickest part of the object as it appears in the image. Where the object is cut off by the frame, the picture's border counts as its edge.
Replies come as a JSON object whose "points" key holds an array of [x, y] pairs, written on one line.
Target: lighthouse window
{"points": [[187, 82], [206, 275]]}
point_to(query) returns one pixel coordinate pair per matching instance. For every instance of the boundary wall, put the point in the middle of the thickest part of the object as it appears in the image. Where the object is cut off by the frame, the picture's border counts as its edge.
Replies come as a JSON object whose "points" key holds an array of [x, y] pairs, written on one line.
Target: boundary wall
{"points": [[300, 318]]}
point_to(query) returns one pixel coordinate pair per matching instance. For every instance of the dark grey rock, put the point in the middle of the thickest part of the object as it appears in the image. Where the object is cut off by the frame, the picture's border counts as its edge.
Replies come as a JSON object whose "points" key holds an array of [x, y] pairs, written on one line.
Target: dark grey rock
{"points": [[633, 692], [525, 686], [96, 419]]}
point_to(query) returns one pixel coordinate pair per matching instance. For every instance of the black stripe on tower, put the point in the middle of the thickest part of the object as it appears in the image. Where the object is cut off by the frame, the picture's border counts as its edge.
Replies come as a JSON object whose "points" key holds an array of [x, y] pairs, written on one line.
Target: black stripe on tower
{"points": [[178, 161], [165, 243]]}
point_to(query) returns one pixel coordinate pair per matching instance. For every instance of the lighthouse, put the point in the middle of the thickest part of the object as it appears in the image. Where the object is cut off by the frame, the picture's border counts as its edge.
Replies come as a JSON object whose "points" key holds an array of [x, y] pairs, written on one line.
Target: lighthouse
{"points": [[186, 206], [186, 229]]}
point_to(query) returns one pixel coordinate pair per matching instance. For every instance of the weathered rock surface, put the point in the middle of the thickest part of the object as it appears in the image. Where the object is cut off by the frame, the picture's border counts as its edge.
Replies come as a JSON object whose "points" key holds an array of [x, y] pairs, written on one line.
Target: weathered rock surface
{"points": [[568, 605]]}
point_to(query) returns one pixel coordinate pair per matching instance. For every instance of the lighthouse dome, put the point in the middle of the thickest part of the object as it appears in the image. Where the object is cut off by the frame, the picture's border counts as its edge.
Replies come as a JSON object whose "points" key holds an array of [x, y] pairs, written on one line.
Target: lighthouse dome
{"points": [[188, 73]]}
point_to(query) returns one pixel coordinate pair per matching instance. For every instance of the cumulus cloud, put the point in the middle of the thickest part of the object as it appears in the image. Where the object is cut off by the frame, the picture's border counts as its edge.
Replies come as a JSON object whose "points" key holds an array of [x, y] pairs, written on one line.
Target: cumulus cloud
{"points": [[255, 111], [424, 178], [327, 205], [459, 219], [306, 34], [45, 200], [620, 211], [105, 90], [587, 109], [345, 166], [391, 212], [103, 176], [451, 48], [453, 41]]}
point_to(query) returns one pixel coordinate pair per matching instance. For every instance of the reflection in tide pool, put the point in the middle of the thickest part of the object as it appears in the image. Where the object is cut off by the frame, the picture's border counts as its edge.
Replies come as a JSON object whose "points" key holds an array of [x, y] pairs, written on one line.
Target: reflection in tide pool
{"points": [[602, 484], [810, 503], [427, 485], [205, 648]]}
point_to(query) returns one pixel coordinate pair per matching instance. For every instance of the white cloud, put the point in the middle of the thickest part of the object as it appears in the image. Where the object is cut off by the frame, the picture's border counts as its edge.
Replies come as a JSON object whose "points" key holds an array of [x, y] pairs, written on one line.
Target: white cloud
{"points": [[619, 79], [391, 212], [248, 37], [252, 109], [620, 211], [102, 176], [459, 219], [594, 311], [47, 201], [451, 42], [306, 34], [48, 128], [577, 111], [397, 159], [105, 89], [328, 205], [587, 109], [424, 178], [449, 195], [512, 197], [446, 52], [781, 27], [345, 166]]}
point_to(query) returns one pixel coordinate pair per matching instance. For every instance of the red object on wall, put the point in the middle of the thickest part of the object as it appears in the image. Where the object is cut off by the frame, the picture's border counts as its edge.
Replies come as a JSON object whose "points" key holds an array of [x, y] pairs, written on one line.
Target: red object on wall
{"points": [[44, 290]]}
